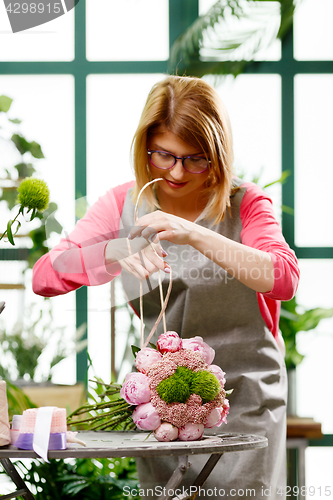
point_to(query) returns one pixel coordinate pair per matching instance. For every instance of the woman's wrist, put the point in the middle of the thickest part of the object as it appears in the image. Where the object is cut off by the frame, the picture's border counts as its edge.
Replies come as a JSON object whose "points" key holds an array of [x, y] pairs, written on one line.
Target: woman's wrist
{"points": [[250, 266]]}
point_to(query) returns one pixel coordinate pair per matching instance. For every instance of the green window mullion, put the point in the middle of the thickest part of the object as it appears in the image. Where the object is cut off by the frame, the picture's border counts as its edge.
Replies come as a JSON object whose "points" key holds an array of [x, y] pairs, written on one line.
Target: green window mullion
{"points": [[287, 137], [80, 67]]}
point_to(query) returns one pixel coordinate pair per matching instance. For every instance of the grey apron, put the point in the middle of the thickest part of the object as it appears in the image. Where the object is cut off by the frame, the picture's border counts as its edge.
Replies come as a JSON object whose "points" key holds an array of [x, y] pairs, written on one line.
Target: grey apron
{"points": [[206, 301]]}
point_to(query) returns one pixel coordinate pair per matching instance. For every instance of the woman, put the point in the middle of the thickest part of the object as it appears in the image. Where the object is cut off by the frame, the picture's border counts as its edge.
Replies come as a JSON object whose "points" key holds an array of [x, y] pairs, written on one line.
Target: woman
{"points": [[231, 267]]}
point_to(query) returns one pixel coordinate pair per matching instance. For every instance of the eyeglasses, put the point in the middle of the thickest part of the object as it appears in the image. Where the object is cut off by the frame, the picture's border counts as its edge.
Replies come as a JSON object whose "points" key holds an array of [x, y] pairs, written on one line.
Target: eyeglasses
{"points": [[165, 161]]}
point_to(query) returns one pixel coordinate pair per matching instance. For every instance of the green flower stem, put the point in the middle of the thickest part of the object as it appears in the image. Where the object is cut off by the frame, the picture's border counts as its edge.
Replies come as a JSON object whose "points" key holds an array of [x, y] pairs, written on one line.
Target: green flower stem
{"points": [[98, 406], [94, 418], [111, 425], [14, 220]]}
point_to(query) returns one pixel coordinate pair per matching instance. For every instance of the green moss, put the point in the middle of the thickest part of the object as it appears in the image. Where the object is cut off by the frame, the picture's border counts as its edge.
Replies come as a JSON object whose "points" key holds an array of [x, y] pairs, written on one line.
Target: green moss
{"points": [[184, 373], [173, 390], [205, 384]]}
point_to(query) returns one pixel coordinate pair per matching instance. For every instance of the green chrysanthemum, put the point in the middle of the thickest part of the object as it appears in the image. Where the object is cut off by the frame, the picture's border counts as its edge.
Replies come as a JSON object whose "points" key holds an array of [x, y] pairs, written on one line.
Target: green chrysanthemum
{"points": [[206, 385], [33, 194], [173, 390], [178, 387]]}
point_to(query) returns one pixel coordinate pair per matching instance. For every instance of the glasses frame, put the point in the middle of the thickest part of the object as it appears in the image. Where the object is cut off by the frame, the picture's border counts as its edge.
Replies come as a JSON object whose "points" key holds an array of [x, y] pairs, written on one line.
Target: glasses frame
{"points": [[182, 158]]}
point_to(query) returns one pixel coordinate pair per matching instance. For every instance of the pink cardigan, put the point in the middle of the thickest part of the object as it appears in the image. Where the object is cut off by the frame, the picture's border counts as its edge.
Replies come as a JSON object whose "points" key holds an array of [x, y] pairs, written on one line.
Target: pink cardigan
{"points": [[79, 259]]}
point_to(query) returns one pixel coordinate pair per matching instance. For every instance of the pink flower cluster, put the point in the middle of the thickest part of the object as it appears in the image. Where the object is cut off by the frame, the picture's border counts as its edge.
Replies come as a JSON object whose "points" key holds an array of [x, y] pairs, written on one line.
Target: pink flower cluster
{"points": [[170, 421]]}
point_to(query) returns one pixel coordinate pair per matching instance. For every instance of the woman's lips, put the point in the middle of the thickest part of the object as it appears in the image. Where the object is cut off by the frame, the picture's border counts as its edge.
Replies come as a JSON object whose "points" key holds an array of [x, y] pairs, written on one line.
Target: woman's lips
{"points": [[175, 185]]}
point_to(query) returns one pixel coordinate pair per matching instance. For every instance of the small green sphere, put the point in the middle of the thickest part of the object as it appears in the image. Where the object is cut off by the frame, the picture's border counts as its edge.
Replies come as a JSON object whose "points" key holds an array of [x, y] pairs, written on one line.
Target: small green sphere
{"points": [[173, 390], [205, 384], [33, 194]]}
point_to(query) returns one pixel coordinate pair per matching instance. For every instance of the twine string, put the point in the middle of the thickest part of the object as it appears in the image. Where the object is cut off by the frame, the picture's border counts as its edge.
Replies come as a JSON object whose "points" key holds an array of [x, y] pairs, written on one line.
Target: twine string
{"points": [[164, 302]]}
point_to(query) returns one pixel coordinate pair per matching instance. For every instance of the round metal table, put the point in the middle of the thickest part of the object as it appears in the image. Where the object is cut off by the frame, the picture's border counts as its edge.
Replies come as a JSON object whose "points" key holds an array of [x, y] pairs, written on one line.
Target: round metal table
{"points": [[140, 444]]}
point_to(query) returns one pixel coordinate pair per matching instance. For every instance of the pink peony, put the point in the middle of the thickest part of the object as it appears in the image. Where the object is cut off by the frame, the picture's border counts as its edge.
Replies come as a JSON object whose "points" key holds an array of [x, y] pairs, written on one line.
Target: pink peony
{"points": [[219, 374], [135, 389], [166, 432], [225, 411], [214, 419], [146, 358], [197, 344], [169, 342], [146, 417], [191, 432]]}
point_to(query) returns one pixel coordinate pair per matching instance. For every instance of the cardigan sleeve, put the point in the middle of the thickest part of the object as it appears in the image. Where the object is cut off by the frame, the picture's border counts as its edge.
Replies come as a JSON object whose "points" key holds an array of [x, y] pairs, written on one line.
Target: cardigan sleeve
{"points": [[79, 259], [262, 231]]}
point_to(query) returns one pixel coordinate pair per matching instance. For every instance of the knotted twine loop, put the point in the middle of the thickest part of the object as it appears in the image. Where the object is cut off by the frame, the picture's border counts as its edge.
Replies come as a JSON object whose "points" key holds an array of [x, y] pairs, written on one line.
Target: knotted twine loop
{"points": [[164, 302]]}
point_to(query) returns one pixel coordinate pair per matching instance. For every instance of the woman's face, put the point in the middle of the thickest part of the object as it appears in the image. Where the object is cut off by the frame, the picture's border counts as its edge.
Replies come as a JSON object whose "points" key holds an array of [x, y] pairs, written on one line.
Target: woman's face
{"points": [[177, 182]]}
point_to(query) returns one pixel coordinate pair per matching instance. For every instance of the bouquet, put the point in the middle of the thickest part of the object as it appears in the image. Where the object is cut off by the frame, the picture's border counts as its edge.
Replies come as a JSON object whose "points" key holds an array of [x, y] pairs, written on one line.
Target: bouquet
{"points": [[177, 392]]}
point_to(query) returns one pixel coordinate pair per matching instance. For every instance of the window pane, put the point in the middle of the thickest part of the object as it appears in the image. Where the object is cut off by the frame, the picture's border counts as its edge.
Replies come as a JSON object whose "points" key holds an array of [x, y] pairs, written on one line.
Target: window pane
{"points": [[318, 471], [313, 35], [45, 104], [315, 371], [254, 106], [313, 160], [130, 30], [52, 41], [114, 107]]}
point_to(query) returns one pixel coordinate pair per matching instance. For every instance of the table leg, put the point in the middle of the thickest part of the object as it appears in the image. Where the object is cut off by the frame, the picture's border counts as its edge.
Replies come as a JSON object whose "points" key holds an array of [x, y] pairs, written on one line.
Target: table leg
{"points": [[205, 471], [175, 479], [16, 478]]}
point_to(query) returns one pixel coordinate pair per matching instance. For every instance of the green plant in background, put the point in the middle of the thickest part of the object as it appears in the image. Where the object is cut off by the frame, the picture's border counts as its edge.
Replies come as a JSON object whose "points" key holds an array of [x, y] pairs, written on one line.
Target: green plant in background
{"points": [[22, 348], [17, 400], [295, 319], [226, 39], [19, 186], [88, 479]]}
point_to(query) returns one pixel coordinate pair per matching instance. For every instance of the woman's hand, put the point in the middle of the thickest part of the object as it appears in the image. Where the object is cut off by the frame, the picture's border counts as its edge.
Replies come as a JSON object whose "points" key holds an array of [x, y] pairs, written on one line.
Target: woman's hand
{"points": [[159, 225], [142, 259], [146, 262]]}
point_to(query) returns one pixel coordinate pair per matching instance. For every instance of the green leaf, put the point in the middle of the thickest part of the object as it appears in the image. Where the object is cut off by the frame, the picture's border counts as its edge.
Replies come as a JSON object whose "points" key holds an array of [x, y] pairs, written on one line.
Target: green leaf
{"points": [[135, 349], [23, 146], [15, 120], [235, 45], [25, 169], [9, 232], [153, 346], [10, 196], [5, 103], [36, 150], [227, 393], [282, 180]]}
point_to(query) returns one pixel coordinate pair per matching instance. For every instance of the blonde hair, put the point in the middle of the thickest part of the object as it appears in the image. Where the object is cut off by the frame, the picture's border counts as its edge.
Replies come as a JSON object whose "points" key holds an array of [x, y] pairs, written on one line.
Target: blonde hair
{"points": [[192, 110]]}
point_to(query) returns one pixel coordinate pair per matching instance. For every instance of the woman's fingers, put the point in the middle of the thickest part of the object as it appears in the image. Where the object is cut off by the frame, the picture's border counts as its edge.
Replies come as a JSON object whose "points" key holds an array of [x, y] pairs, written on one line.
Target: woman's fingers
{"points": [[146, 262]]}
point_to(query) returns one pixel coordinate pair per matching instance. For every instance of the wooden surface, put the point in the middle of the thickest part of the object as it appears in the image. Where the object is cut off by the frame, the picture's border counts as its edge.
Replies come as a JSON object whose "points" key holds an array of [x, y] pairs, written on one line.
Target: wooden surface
{"points": [[300, 427]]}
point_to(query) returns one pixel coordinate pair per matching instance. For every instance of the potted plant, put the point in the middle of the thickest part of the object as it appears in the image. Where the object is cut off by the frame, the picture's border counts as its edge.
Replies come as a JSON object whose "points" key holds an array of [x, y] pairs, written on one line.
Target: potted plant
{"points": [[295, 319]]}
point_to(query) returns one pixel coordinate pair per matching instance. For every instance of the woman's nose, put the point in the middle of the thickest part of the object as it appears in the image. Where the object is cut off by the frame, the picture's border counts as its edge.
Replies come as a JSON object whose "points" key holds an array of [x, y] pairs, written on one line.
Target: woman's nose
{"points": [[178, 170]]}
